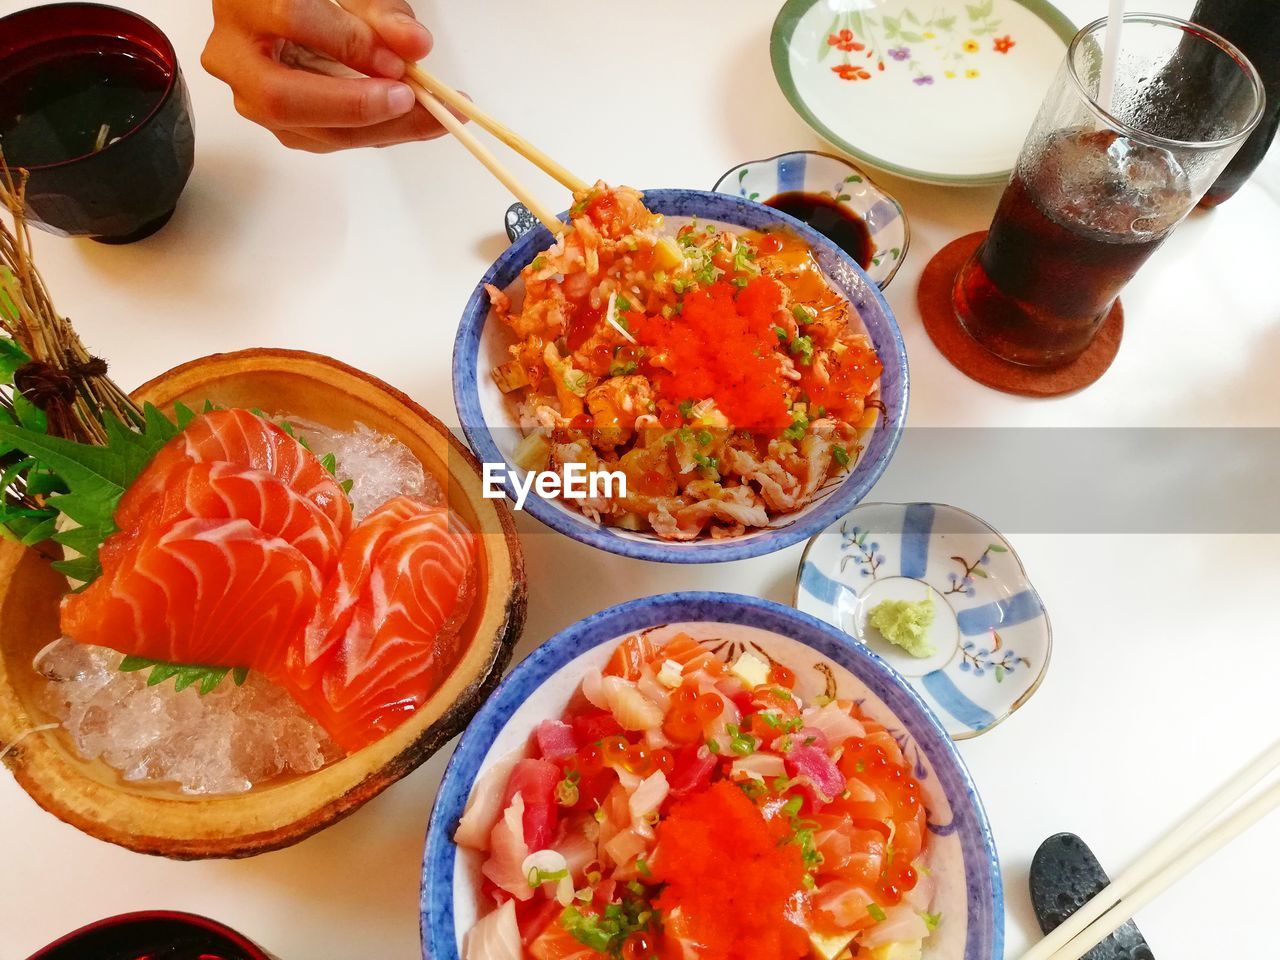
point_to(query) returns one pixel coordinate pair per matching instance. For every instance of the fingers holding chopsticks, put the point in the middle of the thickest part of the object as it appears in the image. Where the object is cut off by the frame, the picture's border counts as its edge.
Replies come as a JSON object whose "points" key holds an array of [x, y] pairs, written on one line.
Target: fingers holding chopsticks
{"points": [[396, 25], [321, 75]]}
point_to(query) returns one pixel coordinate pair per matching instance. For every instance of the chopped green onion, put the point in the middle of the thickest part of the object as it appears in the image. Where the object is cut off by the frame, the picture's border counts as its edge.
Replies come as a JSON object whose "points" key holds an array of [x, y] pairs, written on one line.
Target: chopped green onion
{"points": [[797, 429], [876, 911], [840, 455], [803, 348], [567, 791]]}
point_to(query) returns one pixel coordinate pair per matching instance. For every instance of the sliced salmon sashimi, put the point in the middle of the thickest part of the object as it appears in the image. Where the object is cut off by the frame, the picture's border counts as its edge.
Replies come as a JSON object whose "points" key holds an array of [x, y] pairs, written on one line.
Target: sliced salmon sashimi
{"points": [[246, 440], [224, 491], [385, 633], [235, 548], [211, 592]]}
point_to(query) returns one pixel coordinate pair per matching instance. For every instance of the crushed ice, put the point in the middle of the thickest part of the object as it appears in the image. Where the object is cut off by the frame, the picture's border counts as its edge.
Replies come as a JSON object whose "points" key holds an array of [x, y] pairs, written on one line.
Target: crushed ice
{"points": [[228, 740], [378, 465], [222, 742]]}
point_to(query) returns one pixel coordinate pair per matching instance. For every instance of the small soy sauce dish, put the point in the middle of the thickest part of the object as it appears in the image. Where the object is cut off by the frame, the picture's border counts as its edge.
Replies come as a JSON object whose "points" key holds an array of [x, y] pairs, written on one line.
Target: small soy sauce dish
{"points": [[835, 198], [153, 935], [94, 109]]}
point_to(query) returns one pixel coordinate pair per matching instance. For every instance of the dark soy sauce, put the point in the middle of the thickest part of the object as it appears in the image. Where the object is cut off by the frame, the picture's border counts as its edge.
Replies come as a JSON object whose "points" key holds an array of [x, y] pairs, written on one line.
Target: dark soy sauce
{"points": [[833, 221], [68, 98]]}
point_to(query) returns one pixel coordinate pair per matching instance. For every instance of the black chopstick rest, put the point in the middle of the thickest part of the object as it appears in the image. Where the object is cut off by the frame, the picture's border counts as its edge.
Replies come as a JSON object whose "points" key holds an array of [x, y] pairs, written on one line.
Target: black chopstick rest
{"points": [[1064, 876], [518, 221]]}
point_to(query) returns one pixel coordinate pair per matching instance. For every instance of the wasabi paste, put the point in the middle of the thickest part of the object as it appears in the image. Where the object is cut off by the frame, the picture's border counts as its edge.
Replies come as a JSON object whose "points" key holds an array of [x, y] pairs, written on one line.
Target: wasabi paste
{"points": [[905, 623]]}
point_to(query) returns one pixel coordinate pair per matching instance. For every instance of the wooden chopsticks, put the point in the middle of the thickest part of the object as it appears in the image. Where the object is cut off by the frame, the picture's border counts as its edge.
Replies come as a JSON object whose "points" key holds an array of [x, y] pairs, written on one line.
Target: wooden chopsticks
{"points": [[1180, 851], [453, 99], [438, 97]]}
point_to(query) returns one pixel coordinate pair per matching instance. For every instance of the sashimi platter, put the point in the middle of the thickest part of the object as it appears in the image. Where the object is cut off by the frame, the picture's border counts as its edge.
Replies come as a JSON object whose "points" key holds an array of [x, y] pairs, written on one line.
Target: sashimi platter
{"points": [[241, 600]]}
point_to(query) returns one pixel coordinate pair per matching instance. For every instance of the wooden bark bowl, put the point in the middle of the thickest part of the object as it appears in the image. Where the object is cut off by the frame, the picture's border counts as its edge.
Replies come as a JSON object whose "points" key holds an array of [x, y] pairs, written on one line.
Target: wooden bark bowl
{"points": [[157, 818]]}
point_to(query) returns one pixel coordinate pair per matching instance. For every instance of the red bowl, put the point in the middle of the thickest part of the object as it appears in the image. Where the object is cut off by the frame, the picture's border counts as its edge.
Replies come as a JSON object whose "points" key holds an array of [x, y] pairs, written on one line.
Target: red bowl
{"points": [[129, 187], [139, 934]]}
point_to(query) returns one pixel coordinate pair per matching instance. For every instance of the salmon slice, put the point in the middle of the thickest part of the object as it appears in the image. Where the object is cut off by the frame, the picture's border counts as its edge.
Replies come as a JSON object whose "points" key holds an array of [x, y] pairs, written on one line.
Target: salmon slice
{"points": [[245, 440], [384, 635], [223, 491], [214, 592], [557, 943], [310, 657]]}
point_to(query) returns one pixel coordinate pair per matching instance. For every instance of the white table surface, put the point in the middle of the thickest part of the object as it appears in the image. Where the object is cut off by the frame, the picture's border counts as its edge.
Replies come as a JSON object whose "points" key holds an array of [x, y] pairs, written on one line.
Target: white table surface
{"points": [[1167, 650]]}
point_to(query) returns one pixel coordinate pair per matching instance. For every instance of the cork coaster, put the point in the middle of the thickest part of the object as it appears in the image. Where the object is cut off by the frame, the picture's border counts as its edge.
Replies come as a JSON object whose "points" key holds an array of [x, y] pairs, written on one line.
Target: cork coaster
{"points": [[975, 361]]}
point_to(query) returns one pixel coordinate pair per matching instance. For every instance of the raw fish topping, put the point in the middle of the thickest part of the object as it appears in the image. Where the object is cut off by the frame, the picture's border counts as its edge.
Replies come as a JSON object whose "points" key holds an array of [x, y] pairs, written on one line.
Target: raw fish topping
{"points": [[682, 809], [718, 371], [235, 549], [245, 440], [382, 638]]}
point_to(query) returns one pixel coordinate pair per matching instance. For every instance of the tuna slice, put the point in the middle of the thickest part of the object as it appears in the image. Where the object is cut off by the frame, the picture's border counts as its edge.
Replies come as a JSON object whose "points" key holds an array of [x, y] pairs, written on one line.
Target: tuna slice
{"points": [[534, 781], [385, 633]]}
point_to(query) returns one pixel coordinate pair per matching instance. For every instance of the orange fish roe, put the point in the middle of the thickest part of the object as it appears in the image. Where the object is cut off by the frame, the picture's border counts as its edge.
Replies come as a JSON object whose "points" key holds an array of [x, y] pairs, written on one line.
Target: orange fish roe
{"points": [[722, 345], [729, 874]]}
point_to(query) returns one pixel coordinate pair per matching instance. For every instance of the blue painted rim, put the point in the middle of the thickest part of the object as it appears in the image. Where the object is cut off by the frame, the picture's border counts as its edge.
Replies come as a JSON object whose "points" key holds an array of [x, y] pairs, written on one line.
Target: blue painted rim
{"points": [[866, 297], [985, 897]]}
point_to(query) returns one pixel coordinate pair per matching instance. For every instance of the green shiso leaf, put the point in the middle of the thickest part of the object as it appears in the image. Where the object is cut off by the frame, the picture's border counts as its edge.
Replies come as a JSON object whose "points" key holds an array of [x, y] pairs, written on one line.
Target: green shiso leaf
{"points": [[85, 481], [204, 679]]}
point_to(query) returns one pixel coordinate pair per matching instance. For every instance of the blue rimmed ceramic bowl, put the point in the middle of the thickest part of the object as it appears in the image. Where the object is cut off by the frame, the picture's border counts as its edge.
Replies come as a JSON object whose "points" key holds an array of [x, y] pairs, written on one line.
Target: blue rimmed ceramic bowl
{"points": [[990, 634], [837, 180], [960, 854], [492, 427]]}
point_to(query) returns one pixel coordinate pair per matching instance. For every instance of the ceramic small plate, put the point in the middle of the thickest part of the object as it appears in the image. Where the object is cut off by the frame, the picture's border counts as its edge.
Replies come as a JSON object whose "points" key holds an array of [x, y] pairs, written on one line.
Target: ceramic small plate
{"points": [[809, 171], [990, 632], [942, 93]]}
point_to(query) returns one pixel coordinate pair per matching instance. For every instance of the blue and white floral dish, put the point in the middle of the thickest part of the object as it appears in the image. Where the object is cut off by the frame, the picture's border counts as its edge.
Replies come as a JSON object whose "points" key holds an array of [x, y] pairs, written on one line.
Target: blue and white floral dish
{"points": [[990, 632], [961, 854], [492, 428], [809, 171]]}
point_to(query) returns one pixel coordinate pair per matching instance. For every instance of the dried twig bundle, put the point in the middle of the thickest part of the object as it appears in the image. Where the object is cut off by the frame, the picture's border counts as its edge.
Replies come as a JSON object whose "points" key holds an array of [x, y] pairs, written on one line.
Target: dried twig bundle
{"points": [[60, 377]]}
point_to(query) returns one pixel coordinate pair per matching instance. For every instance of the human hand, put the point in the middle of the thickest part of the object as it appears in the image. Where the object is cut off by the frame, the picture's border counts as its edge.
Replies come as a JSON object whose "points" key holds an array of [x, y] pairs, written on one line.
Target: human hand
{"points": [[296, 66]]}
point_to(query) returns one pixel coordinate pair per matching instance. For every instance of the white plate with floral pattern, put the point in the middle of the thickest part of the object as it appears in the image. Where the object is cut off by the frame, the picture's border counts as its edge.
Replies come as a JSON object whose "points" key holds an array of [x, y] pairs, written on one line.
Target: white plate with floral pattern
{"points": [[930, 90], [990, 633]]}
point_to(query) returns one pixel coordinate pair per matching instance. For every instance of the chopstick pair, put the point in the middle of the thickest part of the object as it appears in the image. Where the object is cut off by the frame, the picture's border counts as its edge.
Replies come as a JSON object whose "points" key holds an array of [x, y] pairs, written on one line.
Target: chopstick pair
{"points": [[1180, 851], [437, 97]]}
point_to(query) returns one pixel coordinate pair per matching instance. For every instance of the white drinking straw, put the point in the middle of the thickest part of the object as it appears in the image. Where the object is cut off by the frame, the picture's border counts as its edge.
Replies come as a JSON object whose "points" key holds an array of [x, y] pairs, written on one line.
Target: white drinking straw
{"points": [[1110, 52]]}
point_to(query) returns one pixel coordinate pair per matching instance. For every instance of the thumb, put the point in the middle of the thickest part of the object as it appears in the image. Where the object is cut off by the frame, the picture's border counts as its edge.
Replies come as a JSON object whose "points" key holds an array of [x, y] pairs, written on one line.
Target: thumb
{"points": [[395, 24]]}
